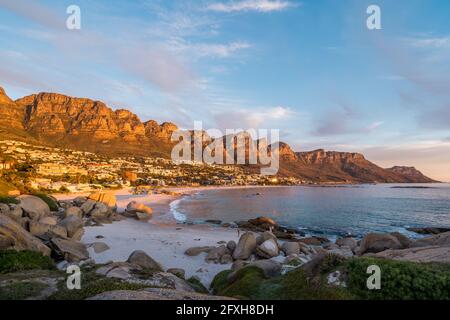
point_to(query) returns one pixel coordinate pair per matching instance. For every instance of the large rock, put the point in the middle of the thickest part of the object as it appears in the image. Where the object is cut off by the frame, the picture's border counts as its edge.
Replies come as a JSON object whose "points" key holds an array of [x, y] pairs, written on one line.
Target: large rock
{"points": [[88, 206], [141, 259], [267, 235], [245, 246], [74, 227], [40, 229], [101, 213], [99, 247], [215, 254], [50, 220], [377, 242], [352, 243], [442, 239], [134, 207], [421, 254], [195, 251], [74, 211], [429, 230], [268, 249], [314, 241], [19, 239], [264, 223], [33, 207], [107, 198], [69, 250], [290, 248]]}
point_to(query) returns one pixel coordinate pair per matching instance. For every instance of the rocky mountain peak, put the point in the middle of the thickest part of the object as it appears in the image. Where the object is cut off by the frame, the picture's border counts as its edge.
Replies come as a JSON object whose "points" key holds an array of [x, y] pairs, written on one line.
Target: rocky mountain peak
{"points": [[4, 99]]}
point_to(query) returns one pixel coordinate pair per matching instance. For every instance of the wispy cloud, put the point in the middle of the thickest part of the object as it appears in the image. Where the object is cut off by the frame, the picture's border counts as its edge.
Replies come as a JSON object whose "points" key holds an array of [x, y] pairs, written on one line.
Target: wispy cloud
{"points": [[221, 50], [252, 5], [434, 42]]}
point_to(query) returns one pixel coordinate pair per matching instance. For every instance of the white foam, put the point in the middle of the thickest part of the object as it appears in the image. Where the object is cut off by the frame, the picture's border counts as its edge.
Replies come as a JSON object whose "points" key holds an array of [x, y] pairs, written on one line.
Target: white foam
{"points": [[180, 217]]}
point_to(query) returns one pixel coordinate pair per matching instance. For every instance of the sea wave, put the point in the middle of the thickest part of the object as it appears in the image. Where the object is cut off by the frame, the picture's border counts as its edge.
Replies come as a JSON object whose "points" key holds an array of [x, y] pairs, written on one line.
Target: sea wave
{"points": [[180, 217]]}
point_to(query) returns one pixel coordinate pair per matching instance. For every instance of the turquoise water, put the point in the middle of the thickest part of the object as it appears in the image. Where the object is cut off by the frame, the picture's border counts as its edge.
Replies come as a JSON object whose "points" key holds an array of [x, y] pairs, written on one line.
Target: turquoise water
{"points": [[330, 211]]}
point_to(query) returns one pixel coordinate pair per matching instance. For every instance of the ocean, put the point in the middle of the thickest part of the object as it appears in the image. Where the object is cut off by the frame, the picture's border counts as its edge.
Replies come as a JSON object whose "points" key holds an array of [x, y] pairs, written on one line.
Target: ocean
{"points": [[327, 211]]}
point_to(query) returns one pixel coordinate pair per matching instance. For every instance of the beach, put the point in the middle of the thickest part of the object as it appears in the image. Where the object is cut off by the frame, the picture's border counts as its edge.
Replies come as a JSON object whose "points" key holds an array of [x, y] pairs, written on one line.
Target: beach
{"points": [[163, 238]]}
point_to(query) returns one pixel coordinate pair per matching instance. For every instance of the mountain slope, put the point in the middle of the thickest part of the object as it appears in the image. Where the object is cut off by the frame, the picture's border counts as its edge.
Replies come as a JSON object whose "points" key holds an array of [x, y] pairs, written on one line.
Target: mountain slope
{"points": [[88, 125]]}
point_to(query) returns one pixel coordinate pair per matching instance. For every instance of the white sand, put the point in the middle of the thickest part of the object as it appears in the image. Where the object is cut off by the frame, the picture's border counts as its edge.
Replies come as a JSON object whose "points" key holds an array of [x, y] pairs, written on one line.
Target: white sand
{"points": [[161, 238], [164, 243]]}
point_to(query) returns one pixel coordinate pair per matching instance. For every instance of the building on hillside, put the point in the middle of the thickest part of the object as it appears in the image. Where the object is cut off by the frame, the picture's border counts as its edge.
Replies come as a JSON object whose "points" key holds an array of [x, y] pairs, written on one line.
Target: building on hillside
{"points": [[6, 164], [56, 169]]}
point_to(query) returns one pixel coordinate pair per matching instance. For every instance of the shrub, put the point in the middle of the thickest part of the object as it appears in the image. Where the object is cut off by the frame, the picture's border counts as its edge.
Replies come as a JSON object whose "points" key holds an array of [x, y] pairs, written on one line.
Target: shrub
{"points": [[13, 261], [400, 280], [196, 284], [220, 281], [50, 201], [295, 285], [245, 283]]}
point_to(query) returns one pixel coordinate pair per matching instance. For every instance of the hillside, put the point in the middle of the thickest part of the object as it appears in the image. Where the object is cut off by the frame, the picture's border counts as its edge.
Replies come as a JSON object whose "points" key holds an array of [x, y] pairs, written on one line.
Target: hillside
{"points": [[84, 124]]}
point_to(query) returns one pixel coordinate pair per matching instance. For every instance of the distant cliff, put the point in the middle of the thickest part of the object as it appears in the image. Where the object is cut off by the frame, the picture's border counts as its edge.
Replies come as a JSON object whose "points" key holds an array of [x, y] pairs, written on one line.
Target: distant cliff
{"points": [[85, 124]]}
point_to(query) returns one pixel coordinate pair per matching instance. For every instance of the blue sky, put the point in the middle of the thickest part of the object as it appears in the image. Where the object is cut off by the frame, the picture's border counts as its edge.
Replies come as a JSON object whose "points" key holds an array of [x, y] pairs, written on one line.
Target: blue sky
{"points": [[309, 68]]}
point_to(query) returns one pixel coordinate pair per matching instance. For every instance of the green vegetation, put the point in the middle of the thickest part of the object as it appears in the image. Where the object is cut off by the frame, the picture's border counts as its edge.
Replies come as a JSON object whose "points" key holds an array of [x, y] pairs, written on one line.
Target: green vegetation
{"points": [[6, 199], [52, 202], [251, 283], [91, 285], [400, 280], [21, 290], [13, 261], [196, 284]]}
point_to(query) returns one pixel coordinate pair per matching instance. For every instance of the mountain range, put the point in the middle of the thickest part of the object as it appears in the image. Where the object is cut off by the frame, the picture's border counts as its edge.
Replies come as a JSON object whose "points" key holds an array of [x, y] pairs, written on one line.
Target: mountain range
{"points": [[84, 124]]}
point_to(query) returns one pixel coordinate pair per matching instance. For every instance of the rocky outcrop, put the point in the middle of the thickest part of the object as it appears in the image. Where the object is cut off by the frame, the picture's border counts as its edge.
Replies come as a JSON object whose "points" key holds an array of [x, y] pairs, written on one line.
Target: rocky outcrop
{"points": [[33, 207], [245, 246], [378, 242], [440, 254], [13, 236], [143, 260]]}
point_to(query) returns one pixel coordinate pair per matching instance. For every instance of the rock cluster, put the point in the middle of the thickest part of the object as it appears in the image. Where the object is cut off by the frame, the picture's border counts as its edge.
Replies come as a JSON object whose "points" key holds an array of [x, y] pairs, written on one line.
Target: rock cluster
{"points": [[30, 225]]}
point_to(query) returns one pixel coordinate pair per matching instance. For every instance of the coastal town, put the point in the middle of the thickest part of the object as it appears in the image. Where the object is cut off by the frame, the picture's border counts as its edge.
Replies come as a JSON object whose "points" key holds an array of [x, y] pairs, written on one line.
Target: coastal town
{"points": [[60, 170]]}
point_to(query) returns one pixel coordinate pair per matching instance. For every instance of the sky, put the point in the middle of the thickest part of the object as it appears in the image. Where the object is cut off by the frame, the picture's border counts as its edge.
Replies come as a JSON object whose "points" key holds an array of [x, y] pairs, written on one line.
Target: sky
{"points": [[311, 69]]}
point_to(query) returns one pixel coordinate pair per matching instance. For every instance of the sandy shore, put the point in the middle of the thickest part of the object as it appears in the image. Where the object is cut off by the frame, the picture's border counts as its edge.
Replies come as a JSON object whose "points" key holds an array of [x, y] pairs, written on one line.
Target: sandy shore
{"points": [[162, 237]]}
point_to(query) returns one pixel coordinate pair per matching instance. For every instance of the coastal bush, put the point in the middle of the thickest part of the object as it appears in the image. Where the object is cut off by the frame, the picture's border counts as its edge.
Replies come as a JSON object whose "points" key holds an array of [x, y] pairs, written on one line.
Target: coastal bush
{"points": [[250, 283], [245, 283], [50, 201], [7, 200], [13, 261], [400, 280], [21, 290], [295, 285], [196, 284], [220, 281]]}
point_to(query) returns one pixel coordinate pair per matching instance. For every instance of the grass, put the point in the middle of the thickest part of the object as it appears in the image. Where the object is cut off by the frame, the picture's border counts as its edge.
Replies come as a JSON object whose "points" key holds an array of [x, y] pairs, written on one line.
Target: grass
{"points": [[21, 290], [7, 200], [13, 261]]}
